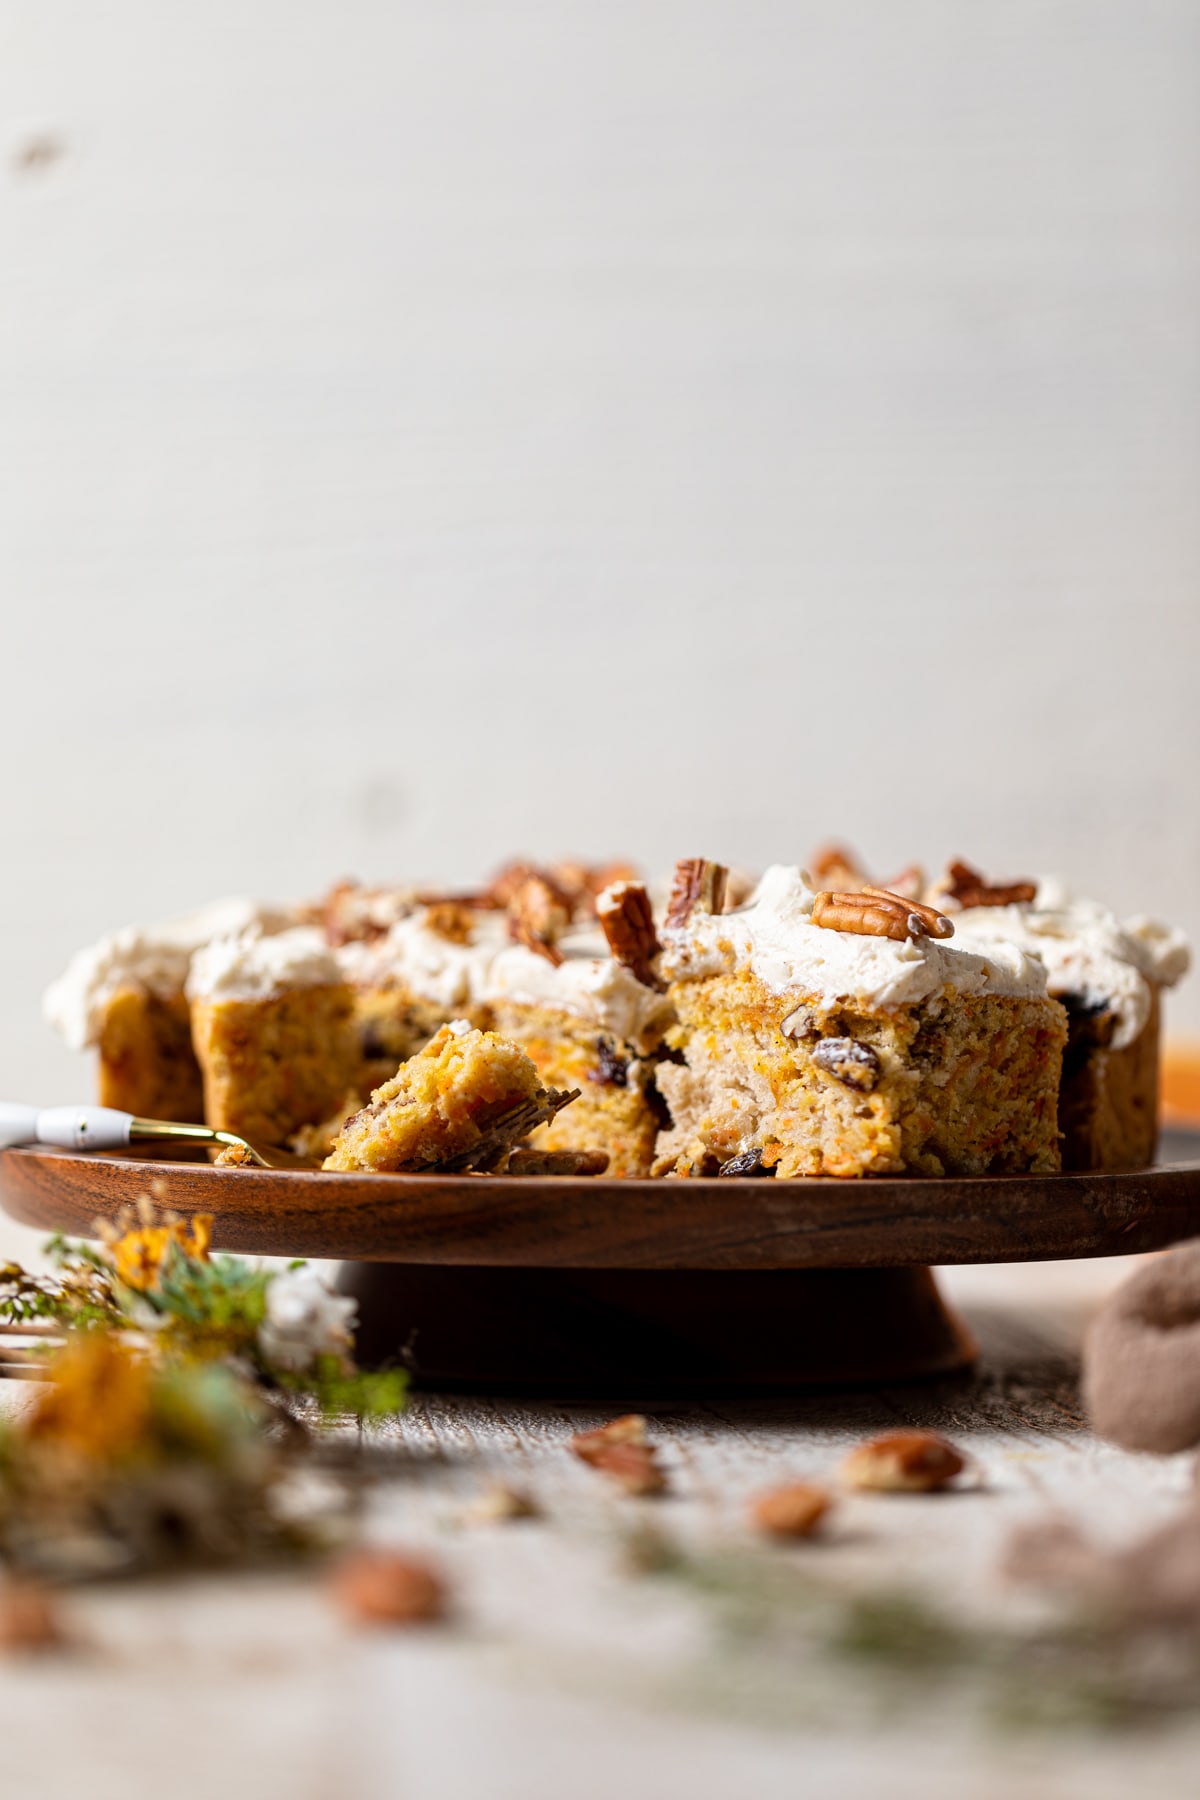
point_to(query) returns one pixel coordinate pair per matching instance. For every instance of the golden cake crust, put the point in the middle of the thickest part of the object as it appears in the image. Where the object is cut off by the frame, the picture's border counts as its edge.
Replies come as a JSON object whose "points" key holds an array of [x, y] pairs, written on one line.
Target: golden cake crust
{"points": [[274, 1065], [147, 1063]]}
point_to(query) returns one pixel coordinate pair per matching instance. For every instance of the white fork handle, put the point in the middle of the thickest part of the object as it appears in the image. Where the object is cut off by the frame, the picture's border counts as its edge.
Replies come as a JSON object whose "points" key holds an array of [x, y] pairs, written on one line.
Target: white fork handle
{"points": [[68, 1127]]}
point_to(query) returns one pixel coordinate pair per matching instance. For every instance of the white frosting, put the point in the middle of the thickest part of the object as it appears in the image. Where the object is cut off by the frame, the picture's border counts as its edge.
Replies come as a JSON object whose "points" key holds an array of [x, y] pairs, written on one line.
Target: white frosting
{"points": [[588, 983], [434, 967], [248, 966], [1086, 950], [774, 934], [153, 958]]}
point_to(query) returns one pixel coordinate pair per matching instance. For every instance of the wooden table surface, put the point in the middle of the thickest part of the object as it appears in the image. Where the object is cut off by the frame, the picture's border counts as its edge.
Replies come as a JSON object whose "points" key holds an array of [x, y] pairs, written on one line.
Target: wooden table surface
{"points": [[562, 1672]]}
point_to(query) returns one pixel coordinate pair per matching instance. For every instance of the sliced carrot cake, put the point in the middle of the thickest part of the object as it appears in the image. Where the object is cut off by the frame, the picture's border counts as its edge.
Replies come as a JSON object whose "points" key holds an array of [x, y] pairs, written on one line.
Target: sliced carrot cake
{"points": [[1110, 975], [272, 1025], [124, 997], [827, 1033]]}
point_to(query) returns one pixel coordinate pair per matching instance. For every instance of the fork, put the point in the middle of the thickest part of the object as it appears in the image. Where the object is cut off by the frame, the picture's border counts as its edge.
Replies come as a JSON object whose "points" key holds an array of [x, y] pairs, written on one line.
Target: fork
{"points": [[105, 1128]]}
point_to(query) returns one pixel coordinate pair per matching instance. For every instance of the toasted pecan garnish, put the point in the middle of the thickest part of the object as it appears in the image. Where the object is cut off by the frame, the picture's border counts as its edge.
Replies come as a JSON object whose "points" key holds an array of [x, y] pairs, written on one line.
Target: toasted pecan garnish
{"points": [[538, 915], [583, 883], [913, 1462], [909, 883], [620, 1451], [351, 913], [836, 868], [935, 923], [699, 886], [627, 921], [450, 919], [505, 882], [874, 912], [965, 887]]}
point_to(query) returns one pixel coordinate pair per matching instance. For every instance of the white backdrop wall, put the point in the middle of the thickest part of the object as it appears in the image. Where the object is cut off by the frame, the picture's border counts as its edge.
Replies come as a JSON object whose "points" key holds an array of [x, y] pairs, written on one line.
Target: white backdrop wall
{"points": [[435, 431]]}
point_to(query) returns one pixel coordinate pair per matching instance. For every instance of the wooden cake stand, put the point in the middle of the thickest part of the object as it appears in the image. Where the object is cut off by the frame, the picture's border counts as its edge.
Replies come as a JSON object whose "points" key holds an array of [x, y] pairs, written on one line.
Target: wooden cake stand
{"points": [[556, 1283]]}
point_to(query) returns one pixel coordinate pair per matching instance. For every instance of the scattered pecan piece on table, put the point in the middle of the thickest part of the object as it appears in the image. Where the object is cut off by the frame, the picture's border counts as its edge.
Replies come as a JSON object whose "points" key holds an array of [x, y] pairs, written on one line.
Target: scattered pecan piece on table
{"points": [[620, 1451], [699, 886], [385, 1587], [913, 1462], [627, 922], [501, 1502], [30, 1619], [792, 1511], [967, 888], [874, 912]]}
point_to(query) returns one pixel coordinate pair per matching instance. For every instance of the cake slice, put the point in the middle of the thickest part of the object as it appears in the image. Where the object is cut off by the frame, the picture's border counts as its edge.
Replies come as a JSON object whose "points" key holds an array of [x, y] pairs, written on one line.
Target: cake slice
{"points": [[527, 957], [428, 968], [592, 1016], [272, 1026], [124, 997], [461, 1102], [1110, 975], [846, 1034]]}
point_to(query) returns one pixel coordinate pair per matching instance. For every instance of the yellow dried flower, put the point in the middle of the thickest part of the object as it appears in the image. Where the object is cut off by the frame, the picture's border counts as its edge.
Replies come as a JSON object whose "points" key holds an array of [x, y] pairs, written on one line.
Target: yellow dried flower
{"points": [[98, 1403], [139, 1255]]}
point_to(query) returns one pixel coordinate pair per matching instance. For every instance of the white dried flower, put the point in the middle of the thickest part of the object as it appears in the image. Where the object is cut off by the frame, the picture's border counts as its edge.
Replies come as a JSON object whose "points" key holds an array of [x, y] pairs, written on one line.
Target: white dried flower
{"points": [[305, 1319]]}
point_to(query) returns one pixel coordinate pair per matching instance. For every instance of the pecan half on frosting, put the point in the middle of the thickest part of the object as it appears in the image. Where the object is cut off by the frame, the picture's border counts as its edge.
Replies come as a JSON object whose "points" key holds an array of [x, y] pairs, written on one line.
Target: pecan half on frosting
{"points": [[581, 884], [627, 922], [965, 887], [874, 912], [836, 869], [699, 886], [537, 916], [450, 919]]}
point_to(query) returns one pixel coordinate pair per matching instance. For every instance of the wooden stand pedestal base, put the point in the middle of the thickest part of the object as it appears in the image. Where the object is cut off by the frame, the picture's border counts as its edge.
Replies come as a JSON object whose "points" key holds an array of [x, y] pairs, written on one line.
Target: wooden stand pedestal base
{"points": [[624, 1332]]}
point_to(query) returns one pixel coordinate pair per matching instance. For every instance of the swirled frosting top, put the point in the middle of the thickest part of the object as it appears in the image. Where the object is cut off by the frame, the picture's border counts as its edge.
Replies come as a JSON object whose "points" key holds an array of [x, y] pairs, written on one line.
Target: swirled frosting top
{"points": [[249, 966], [1090, 954], [774, 935], [152, 958], [589, 983]]}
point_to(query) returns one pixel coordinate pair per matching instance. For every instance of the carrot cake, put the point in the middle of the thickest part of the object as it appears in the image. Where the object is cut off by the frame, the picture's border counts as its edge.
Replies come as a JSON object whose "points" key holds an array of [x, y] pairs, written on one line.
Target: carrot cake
{"points": [[541, 979], [463, 1101], [592, 1016], [428, 968], [1110, 975], [272, 1026], [124, 997], [848, 1034]]}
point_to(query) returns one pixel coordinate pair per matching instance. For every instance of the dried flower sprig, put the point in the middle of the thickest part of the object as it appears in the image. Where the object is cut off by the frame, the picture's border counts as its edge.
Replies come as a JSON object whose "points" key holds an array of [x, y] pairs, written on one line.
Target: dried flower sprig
{"points": [[153, 1275]]}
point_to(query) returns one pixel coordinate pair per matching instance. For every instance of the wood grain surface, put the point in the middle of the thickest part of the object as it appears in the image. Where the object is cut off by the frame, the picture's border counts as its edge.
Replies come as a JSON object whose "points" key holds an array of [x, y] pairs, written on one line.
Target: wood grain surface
{"points": [[555, 1222]]}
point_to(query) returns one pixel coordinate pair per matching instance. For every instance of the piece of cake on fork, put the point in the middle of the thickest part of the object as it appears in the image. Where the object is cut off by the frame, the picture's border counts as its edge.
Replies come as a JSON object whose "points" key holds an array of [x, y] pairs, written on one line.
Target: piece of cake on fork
{"points": [[847, 1033], [463, 1101]]}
